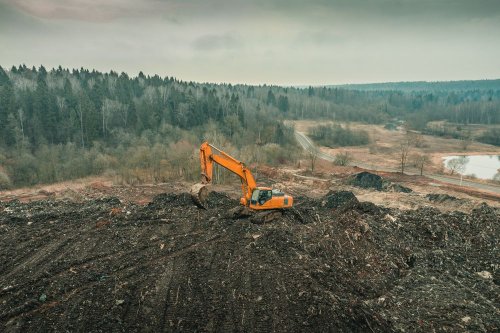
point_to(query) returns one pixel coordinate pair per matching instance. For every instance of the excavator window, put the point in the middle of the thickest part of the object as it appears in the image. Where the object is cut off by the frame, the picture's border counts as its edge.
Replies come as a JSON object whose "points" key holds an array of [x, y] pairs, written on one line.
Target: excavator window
{"points": [[261, 196], [255, 197], [264, 196]]}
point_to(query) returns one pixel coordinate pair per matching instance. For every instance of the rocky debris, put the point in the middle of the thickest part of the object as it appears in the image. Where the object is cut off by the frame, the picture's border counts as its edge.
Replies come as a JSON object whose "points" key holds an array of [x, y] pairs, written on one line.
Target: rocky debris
{"points": [[336, 199], [328, 264], [169, 199], [440, 198], [220, 200], [397, 188], [367, 180], [372, 181]]}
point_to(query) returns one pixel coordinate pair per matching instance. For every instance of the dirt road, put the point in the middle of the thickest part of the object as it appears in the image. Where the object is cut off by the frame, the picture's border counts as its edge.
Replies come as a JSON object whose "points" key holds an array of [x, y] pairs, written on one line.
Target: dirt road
{"points": [[308, 145]]}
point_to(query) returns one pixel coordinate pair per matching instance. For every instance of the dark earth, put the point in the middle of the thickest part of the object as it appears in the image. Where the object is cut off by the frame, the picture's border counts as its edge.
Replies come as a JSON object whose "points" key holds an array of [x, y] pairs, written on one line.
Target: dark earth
{"points": [[329, 264], [372, 181]]}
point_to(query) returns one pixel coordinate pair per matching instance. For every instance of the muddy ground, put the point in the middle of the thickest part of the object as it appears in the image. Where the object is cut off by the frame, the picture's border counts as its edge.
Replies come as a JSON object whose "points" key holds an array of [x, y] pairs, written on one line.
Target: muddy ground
{"points": [[330, 264]]}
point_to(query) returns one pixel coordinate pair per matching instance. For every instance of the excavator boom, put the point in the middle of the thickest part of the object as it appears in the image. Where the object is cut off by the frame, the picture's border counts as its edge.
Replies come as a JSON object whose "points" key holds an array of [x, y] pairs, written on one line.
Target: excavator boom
{"points": [[208, 158]]}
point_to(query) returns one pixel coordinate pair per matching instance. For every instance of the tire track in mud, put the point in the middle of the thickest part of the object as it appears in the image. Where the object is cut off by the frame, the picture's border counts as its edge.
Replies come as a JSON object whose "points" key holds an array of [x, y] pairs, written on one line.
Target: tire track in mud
{"points": [[72, 268], [164, 284], [126, 273], [44, 255], [31, 307], [171, 293], [187, 271], [23, 249]]}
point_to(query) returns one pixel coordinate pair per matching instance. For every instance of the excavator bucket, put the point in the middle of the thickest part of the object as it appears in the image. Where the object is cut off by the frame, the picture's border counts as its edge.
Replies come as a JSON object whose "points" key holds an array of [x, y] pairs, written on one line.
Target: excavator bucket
{"points": [[199, 193]]}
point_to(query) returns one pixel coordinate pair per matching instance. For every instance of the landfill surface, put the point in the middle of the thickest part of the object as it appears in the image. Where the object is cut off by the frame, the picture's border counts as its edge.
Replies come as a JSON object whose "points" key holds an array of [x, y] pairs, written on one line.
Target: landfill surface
{"points": [[329, 264]]}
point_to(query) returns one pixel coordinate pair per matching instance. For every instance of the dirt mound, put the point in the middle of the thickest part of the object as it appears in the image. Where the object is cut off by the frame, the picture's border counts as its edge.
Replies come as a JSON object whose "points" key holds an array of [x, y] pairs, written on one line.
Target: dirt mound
{"points": [[104, 265], [336, 199], [370, 180], [214, 199], [398, 188], [367, 180], [167, 199], [434, 197], [220, 200]]}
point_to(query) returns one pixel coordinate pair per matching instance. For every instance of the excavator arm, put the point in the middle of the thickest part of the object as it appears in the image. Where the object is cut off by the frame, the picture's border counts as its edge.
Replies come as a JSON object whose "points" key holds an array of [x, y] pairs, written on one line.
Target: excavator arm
{"points": [[207, 160]]}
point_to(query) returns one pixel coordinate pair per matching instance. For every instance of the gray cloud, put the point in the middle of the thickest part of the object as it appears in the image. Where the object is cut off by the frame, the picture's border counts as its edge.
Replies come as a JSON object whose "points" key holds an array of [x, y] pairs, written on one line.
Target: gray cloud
{"points": [[456, 9], [321, 37], [260, 41], [104, 10], [91, 10], [216, 42]]}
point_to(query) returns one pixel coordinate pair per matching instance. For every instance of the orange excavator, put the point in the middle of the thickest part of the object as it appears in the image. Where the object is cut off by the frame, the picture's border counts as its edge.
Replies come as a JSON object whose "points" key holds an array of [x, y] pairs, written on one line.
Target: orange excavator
{"points": [[254, 197]]}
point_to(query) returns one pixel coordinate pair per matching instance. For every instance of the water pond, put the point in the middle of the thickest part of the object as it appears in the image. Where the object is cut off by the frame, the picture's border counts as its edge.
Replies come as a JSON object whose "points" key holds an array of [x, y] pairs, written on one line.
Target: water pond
{"points": [[481, 166]]}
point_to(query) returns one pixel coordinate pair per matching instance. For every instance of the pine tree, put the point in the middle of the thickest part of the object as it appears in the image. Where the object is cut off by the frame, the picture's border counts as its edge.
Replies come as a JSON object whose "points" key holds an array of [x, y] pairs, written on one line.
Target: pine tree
{"points": [[283, 103], [7, 108], [271, 99]]}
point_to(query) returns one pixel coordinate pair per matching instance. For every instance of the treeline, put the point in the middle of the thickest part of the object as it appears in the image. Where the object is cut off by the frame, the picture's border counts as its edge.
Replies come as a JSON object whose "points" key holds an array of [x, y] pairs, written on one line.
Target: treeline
{"points": [[428, 86], [416, 108], [107, 117], [491, 136], [39, 107], [338, 136], [61, 124], [62, 106]]}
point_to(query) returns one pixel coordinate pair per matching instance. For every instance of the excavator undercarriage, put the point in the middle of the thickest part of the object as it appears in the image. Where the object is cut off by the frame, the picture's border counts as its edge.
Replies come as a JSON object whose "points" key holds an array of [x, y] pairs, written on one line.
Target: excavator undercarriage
{"points": [[257, 216]]}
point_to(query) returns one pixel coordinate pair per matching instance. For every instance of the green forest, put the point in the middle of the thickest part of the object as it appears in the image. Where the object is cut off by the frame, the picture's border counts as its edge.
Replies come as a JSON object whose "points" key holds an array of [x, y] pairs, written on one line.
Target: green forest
{"points": [[62, 124]]}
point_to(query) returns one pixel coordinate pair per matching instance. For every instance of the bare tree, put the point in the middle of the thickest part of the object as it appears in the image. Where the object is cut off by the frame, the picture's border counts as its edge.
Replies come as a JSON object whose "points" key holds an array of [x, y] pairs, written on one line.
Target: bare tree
{"points": [[496, 177], [457, 164], [416, 139], [313, 157], [342, 159], [419, 140], [421, 161], [404, 149], [109, 109]]}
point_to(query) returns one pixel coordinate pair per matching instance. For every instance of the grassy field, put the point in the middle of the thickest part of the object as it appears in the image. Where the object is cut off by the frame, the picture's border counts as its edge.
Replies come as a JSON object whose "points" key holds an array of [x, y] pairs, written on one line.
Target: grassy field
{"points": [[384, 148]]}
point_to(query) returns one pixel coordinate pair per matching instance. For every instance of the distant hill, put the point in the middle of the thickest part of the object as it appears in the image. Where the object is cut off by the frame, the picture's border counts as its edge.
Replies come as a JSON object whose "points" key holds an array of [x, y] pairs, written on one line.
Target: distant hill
{"points": [[465, 85]]}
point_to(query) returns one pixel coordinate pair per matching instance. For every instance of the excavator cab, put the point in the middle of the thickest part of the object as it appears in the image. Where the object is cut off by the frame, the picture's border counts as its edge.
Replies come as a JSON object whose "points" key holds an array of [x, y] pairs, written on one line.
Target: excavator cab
{"points": [[267, 198], [260, 196]]}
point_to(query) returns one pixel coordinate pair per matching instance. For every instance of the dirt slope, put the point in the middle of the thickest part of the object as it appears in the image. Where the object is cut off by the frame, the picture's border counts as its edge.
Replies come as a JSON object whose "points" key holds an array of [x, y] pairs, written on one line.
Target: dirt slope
{"points": [[330, 264]]}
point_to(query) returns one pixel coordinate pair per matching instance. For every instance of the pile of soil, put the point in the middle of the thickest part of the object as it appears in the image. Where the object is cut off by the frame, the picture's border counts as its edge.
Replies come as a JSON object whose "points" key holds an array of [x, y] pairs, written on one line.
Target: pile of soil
{"points": [[440, 198], [328, 264], [398, 188], [372, 181], [367, 180], [336, 199]]}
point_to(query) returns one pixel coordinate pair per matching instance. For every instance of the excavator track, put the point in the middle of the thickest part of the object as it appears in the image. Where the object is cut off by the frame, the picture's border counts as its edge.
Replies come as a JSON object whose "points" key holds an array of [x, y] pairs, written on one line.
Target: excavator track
{"points": [[257, 217], [262, 217]]}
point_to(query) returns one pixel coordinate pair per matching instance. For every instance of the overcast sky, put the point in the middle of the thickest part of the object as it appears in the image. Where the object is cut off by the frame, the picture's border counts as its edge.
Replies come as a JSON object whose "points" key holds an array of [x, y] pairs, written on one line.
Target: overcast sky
{"points": [[286, 42]]}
